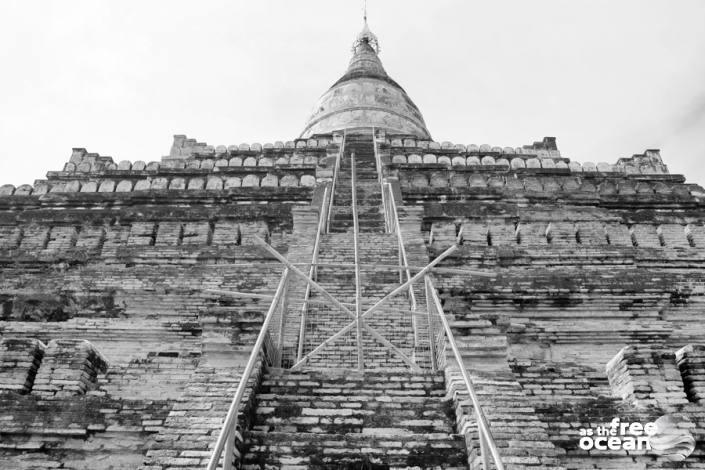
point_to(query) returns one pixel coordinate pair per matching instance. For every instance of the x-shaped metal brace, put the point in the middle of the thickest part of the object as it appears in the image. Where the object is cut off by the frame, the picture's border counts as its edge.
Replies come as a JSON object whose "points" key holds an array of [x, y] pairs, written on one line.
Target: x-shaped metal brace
{"points": [[374, 333]]}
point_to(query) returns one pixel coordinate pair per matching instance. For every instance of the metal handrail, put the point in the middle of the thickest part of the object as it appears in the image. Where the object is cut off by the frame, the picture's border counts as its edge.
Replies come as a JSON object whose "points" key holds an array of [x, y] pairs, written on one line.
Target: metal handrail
{"points": [[485, 435], [335, 181], [400, 242], [378, 160], [380, 178], [313, 269], [226, 438], [356, 229], [391, 219]]}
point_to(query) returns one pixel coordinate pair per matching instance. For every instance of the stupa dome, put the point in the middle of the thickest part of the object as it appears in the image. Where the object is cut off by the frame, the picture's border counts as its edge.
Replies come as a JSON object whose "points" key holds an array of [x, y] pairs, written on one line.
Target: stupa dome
{"points": [[365, 96]]}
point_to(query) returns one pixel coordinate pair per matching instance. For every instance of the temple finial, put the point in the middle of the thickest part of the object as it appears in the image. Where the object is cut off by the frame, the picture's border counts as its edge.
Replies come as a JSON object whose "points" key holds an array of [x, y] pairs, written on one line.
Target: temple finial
{"points": [[366, 37]]}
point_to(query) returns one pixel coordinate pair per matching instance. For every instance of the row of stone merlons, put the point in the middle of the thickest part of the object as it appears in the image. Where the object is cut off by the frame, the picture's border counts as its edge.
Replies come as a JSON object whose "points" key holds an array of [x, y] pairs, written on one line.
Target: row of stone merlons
{"points": [[518, 163], [458, 180], [108, 185], [36, 238], [567, 233], [92, 165]]}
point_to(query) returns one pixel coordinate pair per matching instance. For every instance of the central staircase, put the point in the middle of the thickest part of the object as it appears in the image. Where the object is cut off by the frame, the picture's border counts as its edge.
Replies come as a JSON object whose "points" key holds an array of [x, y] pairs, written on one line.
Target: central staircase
{"points": [[342, 419], [328, 414]]}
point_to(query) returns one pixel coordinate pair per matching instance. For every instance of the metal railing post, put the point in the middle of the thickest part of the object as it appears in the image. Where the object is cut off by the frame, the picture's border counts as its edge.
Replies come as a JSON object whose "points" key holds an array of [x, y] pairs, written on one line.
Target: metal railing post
{"points": [[358, 305], [282, 320], [380, 179], [431, 333], [400, 257], [322, 218], [400, 241], [335, 180]]}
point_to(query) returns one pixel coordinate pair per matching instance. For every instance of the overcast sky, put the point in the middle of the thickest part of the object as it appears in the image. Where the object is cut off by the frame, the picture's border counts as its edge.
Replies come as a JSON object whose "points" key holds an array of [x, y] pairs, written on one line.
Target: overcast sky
{"points": [[608, 78]]}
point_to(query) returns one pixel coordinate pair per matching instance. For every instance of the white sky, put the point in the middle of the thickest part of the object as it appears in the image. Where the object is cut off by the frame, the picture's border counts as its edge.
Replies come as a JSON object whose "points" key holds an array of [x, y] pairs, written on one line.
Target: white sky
{"points": [[608, 78]]}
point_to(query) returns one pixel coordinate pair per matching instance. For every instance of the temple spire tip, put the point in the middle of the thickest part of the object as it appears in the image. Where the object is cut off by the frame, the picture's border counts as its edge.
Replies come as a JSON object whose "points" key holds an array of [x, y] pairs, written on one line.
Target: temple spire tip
{"points": [[366, 36]]}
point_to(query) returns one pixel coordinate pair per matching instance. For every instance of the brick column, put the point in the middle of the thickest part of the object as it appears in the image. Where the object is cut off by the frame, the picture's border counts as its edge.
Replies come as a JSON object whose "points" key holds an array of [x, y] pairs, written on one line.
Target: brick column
{"points": [[691, 362], [19, 361], [70, 367], [443, 234], [644, 375]]}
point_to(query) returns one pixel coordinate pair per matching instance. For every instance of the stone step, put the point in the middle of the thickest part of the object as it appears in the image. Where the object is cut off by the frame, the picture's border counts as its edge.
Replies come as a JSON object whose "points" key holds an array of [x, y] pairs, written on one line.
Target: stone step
{"points": [[361, 401], [371, 239], [324, 421], [342, 418], [340, 451], [363, 221], [357, 411], [353, 380], [353, 393], [368, 191], [347, 375]]}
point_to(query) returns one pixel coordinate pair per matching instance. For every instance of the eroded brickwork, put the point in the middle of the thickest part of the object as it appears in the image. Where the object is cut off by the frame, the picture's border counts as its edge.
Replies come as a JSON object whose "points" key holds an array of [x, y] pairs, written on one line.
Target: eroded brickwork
{"points": [[19, 361], [122, 268], [586, 260], [591, 307]]}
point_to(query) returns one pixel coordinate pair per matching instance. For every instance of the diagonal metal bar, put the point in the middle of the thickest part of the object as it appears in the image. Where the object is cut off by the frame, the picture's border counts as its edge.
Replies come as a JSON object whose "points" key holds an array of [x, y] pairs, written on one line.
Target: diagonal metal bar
{"points": [[345, 330], [388, 344], [415, 278], [298, 272], [316, 286], [396, 291], [325, 343]]}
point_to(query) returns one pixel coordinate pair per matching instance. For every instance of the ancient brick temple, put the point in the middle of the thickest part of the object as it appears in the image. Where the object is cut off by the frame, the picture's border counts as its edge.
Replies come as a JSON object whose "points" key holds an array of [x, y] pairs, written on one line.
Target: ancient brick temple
{"points": [[132, 295]]}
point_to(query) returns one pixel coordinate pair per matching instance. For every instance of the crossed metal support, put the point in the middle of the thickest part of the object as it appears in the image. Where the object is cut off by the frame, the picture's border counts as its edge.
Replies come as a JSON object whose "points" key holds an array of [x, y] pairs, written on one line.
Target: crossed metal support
{"points": [[355, 318]]}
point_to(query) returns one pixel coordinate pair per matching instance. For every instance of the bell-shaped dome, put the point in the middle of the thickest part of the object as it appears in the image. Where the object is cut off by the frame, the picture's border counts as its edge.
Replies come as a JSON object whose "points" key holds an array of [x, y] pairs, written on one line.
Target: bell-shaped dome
{"points": [[366, 97]]}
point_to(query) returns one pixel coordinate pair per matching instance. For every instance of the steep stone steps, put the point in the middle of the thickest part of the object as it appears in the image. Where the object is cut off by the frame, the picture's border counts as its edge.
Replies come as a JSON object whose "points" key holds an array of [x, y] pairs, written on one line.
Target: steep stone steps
{"points": [[342, 221], [345, 419], [367, 189], [393, 321], [377, 248], [353, 451], [331, 415], [312, 380]]}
